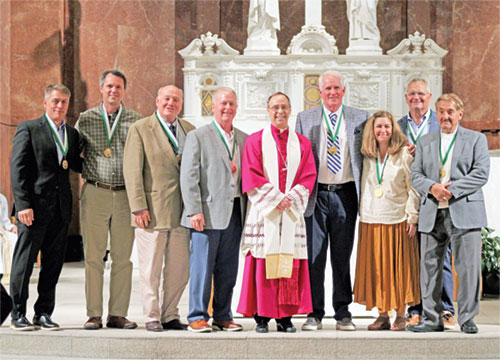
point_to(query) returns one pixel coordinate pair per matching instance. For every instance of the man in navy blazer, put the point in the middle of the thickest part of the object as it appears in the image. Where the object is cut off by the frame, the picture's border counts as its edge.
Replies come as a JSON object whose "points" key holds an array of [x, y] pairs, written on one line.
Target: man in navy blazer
{"points": [[43, 152], [335, 132], [421, 120], [450, 168]]}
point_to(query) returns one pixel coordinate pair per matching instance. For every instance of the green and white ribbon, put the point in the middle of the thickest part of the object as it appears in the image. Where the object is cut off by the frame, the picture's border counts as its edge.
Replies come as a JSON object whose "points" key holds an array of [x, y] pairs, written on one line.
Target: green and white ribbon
{"points": [[224, 141], [380, 174], [63, 145], [328, 123], [110, 131], [168, 132]]}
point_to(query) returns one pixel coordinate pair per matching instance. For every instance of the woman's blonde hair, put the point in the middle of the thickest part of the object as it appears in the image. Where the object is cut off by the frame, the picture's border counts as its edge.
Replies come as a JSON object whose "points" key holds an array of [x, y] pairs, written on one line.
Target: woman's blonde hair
{"points": [[369, 145]]}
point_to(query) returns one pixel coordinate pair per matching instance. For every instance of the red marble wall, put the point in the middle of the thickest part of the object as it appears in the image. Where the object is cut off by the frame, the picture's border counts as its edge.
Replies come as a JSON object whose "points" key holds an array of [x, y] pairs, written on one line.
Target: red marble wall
{"points": [[46, 41]]}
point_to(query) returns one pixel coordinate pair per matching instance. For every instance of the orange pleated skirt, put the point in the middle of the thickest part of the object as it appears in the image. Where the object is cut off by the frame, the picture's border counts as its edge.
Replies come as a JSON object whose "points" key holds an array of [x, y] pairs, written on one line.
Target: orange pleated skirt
{"points": [[387, 268]]}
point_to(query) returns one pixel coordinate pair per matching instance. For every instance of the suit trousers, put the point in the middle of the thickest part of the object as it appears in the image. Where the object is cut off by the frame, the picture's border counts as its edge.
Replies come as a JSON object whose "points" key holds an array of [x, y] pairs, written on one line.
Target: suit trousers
{"points": [[332, 223], [214, 253], [448, 287], [466, 247], [106, 212], [162, 253], [48, 235]]}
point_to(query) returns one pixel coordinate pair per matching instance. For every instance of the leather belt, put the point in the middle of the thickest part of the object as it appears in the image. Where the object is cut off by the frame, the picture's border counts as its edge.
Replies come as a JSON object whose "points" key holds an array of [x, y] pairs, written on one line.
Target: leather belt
{"points": [[330, 187], [106, 186]]}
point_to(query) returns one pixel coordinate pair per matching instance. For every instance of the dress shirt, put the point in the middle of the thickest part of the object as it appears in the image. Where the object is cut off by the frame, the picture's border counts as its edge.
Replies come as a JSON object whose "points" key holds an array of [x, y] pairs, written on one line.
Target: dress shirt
{"points": [[445, 143], [96, 166], [325, 176], [5, 222], [61, 129], [399, 200], [417, 127], [236, 158], [178, 131]]}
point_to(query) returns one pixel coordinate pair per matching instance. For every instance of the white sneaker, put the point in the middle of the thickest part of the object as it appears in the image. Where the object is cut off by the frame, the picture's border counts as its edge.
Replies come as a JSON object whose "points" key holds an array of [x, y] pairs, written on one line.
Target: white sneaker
{"points": [[312, 324], [345, 324]]}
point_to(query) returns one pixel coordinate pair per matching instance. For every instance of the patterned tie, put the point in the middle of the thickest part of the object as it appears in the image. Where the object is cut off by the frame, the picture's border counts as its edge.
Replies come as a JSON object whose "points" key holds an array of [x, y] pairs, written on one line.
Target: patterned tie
{"points": [[172, 129], [333, 159]]}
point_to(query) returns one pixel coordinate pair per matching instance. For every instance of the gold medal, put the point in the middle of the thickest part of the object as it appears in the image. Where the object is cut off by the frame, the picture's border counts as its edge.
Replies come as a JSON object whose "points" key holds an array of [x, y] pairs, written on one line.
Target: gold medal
{"points": [[233, 168], [65, 164], [107, 152], [442, 173], [379, 192], [332, 150]]}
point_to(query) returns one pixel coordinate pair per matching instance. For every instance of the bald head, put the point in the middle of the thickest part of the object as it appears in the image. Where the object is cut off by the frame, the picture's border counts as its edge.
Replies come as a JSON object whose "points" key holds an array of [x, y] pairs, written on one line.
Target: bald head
{"points": [[169, 102]]}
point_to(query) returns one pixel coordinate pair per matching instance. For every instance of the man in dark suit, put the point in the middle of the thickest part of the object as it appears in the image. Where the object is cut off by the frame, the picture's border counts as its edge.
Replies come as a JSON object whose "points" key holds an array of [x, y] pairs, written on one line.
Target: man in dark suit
{"points": [[421, 120], [450, 168], [43, 152], [335, 132]]}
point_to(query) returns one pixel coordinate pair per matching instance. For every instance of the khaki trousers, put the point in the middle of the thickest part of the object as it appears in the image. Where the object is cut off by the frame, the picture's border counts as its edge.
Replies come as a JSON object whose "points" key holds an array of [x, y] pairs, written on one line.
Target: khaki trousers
{"points": [[102, 212], [162, 253]]}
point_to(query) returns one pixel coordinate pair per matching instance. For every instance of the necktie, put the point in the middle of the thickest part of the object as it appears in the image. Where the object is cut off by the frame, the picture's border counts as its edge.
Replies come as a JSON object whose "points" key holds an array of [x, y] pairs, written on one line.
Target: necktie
{"points": [[172, 129], [333, 158]]}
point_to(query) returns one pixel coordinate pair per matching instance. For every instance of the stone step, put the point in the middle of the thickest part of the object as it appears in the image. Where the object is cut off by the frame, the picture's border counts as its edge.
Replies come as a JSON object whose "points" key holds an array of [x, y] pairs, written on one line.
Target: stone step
{"points": [[325, 344]]}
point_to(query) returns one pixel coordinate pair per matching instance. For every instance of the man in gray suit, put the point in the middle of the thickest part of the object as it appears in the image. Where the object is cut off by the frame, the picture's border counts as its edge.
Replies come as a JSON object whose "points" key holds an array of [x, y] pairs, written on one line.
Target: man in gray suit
{"points": [[335, 132], [421, 120], [214, 210], [449, 170]]}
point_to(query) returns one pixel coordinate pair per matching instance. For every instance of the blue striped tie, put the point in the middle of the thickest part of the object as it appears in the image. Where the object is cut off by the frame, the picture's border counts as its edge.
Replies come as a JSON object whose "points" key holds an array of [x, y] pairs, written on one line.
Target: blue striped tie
{"points": [[333, 160]]}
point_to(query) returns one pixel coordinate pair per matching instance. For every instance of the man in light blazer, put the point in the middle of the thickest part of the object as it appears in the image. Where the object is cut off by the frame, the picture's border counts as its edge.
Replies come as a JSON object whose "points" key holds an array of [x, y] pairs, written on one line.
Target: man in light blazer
{"points": [[214, 210], [449, 170], [335, 132], [151, 168], [419, 121]]}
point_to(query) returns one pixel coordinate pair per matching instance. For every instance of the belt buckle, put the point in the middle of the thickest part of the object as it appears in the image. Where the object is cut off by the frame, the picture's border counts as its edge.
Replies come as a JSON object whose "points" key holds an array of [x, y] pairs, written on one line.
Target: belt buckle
{"points": [[332, 187]]}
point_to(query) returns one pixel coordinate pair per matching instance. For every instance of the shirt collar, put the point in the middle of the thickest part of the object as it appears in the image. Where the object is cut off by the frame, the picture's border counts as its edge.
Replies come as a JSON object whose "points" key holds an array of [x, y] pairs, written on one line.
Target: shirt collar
{"points": [[426, 116], [60, 127]]}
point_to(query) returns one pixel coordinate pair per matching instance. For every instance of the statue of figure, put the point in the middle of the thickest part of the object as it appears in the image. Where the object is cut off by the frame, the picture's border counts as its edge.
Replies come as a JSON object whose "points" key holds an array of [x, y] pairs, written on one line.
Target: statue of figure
{"points": [[362, 16], [263, 19]]}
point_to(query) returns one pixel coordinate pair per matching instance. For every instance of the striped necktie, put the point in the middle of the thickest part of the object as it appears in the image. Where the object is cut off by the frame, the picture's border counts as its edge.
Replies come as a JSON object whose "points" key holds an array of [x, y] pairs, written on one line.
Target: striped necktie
{"points": [[333, 158]]}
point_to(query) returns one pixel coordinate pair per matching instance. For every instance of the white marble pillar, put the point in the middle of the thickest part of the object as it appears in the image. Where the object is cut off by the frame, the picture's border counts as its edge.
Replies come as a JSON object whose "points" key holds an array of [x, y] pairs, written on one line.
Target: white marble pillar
{"points": [[313, 13]]}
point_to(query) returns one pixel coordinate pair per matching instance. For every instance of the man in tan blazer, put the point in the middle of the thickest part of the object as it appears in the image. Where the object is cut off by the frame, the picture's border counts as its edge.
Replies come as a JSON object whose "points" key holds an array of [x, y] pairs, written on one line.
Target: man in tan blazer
{"points": [[151, 168]]}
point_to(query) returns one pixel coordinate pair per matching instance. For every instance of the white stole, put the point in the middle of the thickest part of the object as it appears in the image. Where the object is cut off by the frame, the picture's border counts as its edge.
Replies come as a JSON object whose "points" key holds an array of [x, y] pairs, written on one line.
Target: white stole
{"points": [[279, 228]]}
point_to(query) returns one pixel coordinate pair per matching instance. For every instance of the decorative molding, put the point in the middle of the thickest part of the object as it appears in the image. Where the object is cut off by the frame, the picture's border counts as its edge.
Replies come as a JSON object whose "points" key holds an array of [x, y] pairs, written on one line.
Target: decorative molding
{"points": [[207, 45], [313, 40], [417, 44]]}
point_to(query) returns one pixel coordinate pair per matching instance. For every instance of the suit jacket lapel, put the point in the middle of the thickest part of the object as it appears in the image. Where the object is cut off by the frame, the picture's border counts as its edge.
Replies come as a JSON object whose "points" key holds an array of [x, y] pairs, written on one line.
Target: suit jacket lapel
{"points": [[220, 148], [458, 148], [48, 138], [161, 138]]}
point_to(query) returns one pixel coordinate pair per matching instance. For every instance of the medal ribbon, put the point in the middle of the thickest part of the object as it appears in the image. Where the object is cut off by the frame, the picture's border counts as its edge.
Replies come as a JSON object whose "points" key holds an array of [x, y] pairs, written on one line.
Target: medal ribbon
{"points": [[380, 175], [64, 148], [329, 126], [412, 134], [443, 161], [224, 141], [110, 131], [169, 134]]}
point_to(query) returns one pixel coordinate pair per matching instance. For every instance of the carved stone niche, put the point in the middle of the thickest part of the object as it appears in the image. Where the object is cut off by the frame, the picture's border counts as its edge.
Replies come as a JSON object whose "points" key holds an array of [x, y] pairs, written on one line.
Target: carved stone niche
{"points": [[313, 40]]}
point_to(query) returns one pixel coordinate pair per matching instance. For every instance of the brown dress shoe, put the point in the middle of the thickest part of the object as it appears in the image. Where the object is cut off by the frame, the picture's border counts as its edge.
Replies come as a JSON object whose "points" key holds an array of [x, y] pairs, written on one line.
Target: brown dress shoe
{"points": [[154, 326], [448, 320], [226, 325], [412, 319], [399, 324], [382, 323], [120, 322], [93, 323], [199, 326]]}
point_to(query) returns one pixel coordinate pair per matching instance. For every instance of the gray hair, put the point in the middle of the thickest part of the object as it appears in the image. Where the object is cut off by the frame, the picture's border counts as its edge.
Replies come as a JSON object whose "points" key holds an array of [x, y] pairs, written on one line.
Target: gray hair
{"points": [[58, 87], [333, 73], [115, 73], [459, 104], [220, 90], [417, 79]]}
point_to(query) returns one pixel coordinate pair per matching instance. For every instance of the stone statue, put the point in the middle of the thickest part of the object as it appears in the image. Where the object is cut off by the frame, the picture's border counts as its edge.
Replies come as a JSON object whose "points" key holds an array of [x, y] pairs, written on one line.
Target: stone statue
{"points": [[362, 15], [263, 19]]}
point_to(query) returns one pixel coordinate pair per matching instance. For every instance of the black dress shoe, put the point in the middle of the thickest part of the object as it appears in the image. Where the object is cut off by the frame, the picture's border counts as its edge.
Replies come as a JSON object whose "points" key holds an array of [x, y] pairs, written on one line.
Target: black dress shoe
{"points": [[174, 325], [262, 328], [469, 327], [21, 324], [44, 322], [285, 326], [422, 327]]}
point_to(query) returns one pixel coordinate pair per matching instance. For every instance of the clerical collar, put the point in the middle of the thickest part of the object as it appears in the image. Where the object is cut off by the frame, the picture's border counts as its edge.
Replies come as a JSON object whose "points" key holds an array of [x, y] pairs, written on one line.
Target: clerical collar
{"points": [[422, 120], [281, 131]]}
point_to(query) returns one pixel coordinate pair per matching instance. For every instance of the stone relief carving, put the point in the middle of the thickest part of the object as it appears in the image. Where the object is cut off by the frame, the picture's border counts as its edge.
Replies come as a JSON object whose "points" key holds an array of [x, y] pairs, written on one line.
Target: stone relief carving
{"points": [[364, 95], [313, 40]]}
